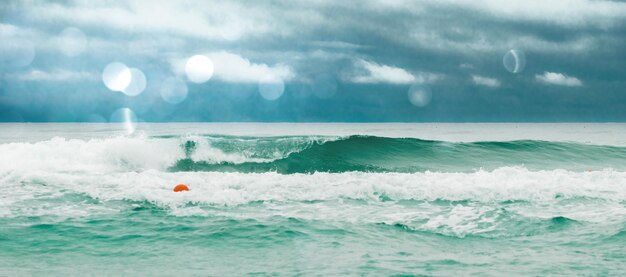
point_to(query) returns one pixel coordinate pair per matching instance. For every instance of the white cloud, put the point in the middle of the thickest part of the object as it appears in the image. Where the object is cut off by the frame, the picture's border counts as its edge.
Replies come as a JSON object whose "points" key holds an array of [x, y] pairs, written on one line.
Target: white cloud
{"points": [[8, 29], [216, 20], [375, 73], [484, 41], [558, 79], [234, 68], [55, 75], [426, 77], [485, 81], [229, 20], [383, 74], [337, 44], [562, 12], [10, 32]]}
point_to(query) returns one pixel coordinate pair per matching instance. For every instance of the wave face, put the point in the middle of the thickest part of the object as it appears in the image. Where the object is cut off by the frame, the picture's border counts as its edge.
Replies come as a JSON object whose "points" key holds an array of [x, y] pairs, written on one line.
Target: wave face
{"points": [[380, 154], [336, 205], [305, 154]]}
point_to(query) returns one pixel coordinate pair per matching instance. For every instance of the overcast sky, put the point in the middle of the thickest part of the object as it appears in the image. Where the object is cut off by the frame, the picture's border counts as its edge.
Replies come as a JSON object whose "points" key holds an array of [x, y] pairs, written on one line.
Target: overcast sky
{"points": [[446, 60]]}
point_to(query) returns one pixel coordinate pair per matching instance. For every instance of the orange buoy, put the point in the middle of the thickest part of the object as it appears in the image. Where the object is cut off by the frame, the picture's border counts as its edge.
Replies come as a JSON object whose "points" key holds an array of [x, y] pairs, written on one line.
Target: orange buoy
{"points": [[181, 187]]}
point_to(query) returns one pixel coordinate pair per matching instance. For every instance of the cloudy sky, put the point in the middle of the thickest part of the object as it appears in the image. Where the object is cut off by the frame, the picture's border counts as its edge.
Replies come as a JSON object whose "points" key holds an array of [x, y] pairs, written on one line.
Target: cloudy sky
{"points": [[392, 60]]}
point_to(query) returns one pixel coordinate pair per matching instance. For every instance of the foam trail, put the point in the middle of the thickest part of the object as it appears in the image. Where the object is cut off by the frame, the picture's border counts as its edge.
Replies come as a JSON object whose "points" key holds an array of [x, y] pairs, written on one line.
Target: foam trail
{"points": [[482, 195]]}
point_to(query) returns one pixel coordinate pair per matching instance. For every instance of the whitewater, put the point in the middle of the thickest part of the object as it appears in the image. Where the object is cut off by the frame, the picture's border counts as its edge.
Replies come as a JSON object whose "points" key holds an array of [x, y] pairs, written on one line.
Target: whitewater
{"points": [[313, 199]]}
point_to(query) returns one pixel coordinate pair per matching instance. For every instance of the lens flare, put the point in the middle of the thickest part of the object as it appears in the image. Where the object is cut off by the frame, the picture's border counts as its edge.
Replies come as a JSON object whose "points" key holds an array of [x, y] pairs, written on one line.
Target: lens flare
{"points": [[173, 90], [116, 76], [137, 83], [514, 61], [419, 95], [199, 69], [127, 118]]}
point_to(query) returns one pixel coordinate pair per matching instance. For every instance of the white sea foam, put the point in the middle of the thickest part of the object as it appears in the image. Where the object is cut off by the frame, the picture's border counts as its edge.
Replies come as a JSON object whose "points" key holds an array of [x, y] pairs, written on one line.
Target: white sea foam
{"points": [[457, 204], [94, 155], [115, 154], [206, 152], [73, 178]]}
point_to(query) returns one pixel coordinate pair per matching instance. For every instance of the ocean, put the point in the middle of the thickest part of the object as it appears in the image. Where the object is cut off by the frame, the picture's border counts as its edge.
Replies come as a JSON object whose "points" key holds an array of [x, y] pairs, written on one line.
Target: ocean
{"points": [[312, 199]]}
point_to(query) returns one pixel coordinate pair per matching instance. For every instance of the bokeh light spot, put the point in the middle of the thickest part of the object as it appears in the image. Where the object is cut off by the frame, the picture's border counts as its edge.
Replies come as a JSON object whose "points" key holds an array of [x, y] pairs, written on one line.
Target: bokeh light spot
{"points": [[271, 88], [173, 90], [199, 69], [514, 61], [16, 52], [419, 95], [116, 76], [137, 83]]}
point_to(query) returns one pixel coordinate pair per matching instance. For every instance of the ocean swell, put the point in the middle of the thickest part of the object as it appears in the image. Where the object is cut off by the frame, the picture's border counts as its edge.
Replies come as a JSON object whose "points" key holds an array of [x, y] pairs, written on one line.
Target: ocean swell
{"points": [[301, 154]]}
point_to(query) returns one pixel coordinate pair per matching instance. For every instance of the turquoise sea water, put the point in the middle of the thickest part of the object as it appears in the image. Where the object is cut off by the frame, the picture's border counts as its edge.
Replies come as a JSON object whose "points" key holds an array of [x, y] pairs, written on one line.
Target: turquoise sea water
{"points": [[301, 199]]}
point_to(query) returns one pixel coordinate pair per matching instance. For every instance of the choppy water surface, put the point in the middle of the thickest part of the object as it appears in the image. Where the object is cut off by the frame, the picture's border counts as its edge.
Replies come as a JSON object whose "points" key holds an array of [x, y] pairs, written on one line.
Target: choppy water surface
{"points": [[313, 199]]}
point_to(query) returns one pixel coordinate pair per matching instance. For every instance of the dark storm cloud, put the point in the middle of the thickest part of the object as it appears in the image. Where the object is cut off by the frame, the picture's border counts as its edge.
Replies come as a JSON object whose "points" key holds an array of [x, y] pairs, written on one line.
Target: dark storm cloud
{"points": [[339, 61]]}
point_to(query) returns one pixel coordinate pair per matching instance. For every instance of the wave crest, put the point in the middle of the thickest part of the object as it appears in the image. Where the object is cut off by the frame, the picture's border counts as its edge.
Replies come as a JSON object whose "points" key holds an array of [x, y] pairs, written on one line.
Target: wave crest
{"points": [[306, 154]]}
